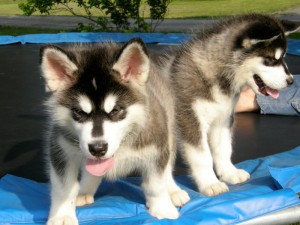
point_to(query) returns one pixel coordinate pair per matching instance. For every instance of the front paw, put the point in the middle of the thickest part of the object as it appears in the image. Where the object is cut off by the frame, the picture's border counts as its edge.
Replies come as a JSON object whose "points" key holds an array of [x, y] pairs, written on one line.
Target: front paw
{"points": [[236, 177], [63, 220], [179, 198], [214, 189], [163, 210], [84, 200]]}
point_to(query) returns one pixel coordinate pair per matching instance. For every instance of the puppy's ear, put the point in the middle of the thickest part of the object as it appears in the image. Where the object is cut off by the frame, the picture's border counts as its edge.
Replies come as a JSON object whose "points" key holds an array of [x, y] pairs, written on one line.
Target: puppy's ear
{"points": [[249, 43], [290, 27], [58, 68], [133, 63]]}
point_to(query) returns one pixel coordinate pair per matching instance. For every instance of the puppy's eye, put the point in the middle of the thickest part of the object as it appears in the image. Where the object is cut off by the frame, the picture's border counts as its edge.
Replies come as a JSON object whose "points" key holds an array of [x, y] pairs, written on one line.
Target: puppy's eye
{"points": [[117, 113], [116, 110], [270, 61], [79, 115]]}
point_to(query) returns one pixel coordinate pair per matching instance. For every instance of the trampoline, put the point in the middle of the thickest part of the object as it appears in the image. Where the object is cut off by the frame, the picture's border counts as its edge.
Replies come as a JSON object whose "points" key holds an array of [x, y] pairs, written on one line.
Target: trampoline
{"points": [[266, 146]]}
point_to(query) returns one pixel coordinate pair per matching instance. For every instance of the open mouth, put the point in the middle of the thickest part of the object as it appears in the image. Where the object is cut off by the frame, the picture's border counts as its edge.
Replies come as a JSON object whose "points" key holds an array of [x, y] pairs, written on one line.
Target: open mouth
{"points": [[98, 167], [264, 89]]}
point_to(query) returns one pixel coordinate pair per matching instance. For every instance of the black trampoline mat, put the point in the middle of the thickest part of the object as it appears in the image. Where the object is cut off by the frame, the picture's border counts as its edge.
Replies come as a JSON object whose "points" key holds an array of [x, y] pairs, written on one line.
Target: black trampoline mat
{"points": [[23, 119]]}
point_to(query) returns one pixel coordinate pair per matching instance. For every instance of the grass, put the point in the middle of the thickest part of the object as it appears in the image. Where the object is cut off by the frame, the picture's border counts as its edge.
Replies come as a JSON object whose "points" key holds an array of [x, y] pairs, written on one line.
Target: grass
{"points": [[191, 8], [15, 31], [217, 8], [295, 36], [177, 9]]}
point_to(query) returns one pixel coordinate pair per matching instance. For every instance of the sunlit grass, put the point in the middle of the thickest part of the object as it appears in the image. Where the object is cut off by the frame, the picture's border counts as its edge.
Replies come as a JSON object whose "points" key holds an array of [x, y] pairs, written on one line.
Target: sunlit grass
{"points": [[186, 8], [217, 8], [177, 9]]}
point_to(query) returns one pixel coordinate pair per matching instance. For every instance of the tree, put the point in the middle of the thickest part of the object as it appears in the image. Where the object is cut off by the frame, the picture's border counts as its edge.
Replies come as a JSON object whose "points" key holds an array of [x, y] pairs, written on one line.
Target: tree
{"points": [[115, 15]]}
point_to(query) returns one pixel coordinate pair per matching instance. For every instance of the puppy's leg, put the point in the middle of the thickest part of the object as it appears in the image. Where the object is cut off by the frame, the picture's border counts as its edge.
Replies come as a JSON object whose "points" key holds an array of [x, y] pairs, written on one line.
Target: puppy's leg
{"points": [[201, 163], [64, 190], [178, 196], [88, 187], [157, 196], [220, 138]]}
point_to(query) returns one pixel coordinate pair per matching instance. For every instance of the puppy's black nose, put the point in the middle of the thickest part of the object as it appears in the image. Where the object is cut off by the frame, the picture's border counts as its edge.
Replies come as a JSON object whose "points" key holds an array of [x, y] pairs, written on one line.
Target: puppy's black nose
{"points": [[290, 80], [98, 149]]}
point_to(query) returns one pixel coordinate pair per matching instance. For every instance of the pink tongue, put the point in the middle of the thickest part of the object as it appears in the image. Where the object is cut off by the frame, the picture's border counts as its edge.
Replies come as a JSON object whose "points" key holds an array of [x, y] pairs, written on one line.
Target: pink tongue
{"points": [[99, 167], [273, 93]]}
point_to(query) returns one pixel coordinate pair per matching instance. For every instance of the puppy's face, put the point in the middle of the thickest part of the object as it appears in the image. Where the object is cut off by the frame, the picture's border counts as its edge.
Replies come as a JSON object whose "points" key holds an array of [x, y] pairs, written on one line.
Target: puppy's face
{"points": [[97, 93], [268, 73], [262, 47], [101, 128]]}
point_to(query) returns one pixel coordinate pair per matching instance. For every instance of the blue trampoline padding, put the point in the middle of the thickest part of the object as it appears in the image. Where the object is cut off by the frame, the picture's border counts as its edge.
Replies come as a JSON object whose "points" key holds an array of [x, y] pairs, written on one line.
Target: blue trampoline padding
{"points": [[293, 47], [169, 38], [287, 177], [160, 38], [273, 186]]}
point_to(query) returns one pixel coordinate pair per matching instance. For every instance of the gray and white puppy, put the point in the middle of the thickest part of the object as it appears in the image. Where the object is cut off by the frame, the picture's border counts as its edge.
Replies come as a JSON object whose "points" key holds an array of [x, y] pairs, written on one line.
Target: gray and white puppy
{"points": [[111, 113], [208, 73]]}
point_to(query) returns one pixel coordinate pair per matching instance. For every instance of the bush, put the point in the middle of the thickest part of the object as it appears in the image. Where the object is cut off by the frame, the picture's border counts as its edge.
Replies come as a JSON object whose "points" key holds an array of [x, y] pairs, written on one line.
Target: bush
{"points": [[116, 15]]}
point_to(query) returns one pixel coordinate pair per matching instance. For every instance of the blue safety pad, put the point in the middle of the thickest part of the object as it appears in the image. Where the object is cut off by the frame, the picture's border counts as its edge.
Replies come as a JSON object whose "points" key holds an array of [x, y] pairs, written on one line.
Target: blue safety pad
{"points": [[293, 47], [273, 186], [76, 37], [160, 38], [286, 177]]}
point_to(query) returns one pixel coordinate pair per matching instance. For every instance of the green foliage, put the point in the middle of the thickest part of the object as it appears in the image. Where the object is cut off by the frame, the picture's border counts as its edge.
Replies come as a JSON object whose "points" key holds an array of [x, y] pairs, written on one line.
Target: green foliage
{"points": [[115, 15], [158, 10], [44, 6]]}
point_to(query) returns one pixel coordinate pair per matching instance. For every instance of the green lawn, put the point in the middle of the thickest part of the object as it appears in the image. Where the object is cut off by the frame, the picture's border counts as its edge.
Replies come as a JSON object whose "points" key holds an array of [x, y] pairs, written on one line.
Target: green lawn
{"points": [[193, 8], [15, 31], [177, 9], [213, 8]]}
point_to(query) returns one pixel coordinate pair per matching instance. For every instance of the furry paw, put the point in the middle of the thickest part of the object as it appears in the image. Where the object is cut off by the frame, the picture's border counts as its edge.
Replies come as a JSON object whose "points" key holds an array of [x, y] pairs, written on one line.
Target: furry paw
{"points": [[214, 189], [163, 209], [84, 200], [65, 220], [162, 212], [179, 198], [236, 177]]}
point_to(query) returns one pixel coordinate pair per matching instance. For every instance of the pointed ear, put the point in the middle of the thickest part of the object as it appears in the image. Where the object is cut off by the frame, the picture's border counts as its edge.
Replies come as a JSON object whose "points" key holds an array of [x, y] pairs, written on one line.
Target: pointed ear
{"points": [[290, 27], [249, 43], [133, 63], [57, 67]]}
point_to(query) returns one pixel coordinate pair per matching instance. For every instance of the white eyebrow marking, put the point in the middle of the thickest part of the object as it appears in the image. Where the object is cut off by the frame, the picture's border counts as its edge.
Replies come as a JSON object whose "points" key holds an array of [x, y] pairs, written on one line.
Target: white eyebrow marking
{"points": [[109, 103], [85, 104], [278, 53]]}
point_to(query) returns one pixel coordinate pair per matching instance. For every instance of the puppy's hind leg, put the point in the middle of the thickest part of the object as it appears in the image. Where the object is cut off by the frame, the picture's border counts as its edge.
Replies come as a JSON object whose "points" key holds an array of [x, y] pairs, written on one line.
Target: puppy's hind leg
{"points": [[88, 187]]}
